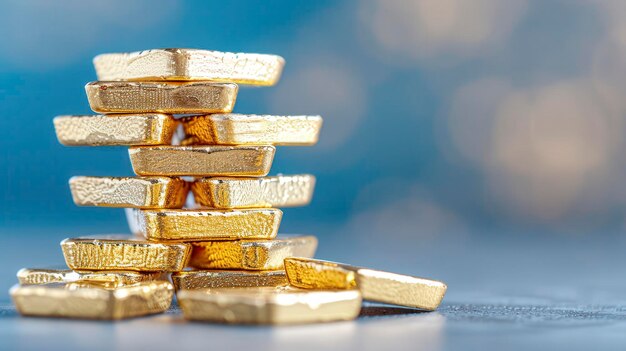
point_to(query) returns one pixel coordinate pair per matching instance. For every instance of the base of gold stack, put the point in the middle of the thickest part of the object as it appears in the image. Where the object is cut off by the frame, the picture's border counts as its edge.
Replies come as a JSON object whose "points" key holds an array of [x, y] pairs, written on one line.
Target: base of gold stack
{"points": [[204, 279]]}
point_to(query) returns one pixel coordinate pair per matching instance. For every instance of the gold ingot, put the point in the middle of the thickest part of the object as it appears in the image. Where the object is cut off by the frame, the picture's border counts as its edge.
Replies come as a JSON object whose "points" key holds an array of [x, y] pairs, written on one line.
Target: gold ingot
{"points": [[135, 192], [278, 191], [203, 279], [120, 252], [33, 276], [201, 225], [145, 97], [202, 161], [90, 300], [142, 129], [266, 305], [250, 255], [374, 285], [190, 64], [236, 129]]}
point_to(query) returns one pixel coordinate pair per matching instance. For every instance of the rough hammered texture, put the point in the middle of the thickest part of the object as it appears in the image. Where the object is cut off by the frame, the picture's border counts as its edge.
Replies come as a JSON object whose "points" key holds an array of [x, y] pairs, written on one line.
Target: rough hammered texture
{"points": [[201, 279], [30, 276], [315, 274]]}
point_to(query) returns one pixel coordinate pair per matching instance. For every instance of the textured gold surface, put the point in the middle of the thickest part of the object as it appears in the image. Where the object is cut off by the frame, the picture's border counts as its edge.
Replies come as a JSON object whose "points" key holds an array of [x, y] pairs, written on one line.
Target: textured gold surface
{"points": [[236, 129], [120, 252], [92, 300], [146, 192], [32, 276], [278, 191], [147, 129], [202, 160], [202, 279], [251, 255], [374, 285], [199, 225], [266, 305], [190, 64], [144, 97]]}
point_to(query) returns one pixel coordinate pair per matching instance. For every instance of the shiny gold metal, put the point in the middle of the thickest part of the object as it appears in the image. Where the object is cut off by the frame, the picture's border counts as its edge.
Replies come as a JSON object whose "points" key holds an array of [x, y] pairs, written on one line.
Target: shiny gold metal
{"points": [[136, 192], [202, 279], [91, 300], [266, 305], [376, 286], [145, 97], [202, 160], [190, 64], [236, 129], [251, 255], [278, 191], [201, 225], [122, 252], [142, 129], [34, 276]]}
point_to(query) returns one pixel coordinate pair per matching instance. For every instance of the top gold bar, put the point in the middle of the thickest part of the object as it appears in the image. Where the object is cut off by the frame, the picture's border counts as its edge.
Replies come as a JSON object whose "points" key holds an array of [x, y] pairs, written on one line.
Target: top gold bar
{"points": [[190, 65]]}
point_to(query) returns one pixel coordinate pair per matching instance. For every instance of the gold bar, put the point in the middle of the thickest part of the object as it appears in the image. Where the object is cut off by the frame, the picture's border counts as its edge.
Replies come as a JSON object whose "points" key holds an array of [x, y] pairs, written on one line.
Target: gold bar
{"points": [[250, 255], [145, 97], [236, 129], [266, 305], [36, 276], [91, 300], [201, 225], [189, 64], [278, 191], [202, 161], [122, 252], [142, 129], [135, 192], [374, 285], [203, 279]]}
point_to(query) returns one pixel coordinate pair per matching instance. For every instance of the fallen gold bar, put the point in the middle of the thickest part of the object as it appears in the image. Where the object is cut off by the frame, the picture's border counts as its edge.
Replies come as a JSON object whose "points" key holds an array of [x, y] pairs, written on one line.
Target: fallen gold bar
{"points": [[91, 300], [278, 191], [266, 305], [142, 129], [135, 192], [202, 160], [145, 97], [201, 225], [202, 279], [251, 255], [119, 252], [374, 285], [236, 129], [189, 64], [33, 276]]}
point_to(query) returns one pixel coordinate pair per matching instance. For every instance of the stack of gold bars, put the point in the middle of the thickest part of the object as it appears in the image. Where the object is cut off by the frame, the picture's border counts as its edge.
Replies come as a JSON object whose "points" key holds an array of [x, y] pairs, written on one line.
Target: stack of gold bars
{"points": [[203, 212]]}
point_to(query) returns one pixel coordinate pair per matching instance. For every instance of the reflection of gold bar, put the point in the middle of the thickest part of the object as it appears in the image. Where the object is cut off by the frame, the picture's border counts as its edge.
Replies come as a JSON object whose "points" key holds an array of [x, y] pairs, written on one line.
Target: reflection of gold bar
{"points": [[251, 255], [266, 305], [279, 191], [200, 279], [120, 252], [92, 300], [374, 285], [148, 192], [189, 64], [200, 225], [118, 278], [145, 97], [202, 160], [236, 129], [148, 129]]}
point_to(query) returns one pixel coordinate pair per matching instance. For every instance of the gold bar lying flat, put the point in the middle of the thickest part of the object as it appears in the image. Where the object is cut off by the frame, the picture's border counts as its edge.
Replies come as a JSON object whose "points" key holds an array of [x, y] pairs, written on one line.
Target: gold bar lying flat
{"points": [[202, 160], [236, 129], [203, 279], [120, 252], [190, 64], [148, 192], [374, 285], [35, 276], [146, 129], [145, 97], [281, 305], [201, 225], [91, 300], [251, 255], [278, 191]]}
